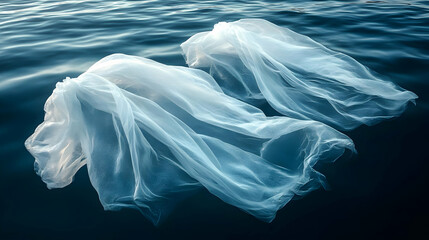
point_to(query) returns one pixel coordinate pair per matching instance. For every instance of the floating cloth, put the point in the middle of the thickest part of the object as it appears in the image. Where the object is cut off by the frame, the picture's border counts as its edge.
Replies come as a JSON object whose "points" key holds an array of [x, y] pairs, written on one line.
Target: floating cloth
{"points": [[257, 61], [150, 134]]}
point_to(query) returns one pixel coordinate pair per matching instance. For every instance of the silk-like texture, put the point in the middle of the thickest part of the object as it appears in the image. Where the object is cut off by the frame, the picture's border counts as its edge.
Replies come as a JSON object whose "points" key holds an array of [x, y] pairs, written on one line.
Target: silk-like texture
{"points": [[257, 61], [151, 133]]}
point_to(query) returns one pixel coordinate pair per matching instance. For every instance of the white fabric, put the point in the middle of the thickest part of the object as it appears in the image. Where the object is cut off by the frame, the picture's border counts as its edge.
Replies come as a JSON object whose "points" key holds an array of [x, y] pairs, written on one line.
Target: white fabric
{"points": [[150, 134], [257, 61]]}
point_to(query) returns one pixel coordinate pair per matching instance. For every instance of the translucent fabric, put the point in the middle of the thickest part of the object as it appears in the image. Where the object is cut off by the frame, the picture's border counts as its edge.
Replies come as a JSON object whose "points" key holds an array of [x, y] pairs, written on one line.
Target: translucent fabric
{"points": [[257, 61], [150, 134]]}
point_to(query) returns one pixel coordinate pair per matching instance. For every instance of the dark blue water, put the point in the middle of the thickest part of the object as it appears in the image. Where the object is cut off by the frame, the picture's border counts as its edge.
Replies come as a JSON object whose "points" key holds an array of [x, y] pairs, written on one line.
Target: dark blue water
{"points": [[380, 192]]}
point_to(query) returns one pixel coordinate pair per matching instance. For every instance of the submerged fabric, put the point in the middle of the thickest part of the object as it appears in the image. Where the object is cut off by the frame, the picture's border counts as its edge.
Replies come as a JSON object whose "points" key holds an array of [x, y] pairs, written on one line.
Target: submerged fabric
{"points": [[151, 134], [257, 61]]}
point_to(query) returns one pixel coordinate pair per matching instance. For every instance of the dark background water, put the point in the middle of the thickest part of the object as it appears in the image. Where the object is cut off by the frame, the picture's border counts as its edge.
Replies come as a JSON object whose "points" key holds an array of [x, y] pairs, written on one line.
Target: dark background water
{"points": [[381, 192]]}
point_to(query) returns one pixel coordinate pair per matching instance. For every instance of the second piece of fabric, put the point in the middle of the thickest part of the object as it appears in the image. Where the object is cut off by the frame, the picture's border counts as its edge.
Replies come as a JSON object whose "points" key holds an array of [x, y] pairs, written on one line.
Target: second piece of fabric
{"points": [[257, 61]]}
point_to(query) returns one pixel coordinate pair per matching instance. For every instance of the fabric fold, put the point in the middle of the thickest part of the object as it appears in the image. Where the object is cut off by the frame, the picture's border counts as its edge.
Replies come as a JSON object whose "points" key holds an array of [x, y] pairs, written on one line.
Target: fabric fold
{"points": [[258, 62], [151, 134]]}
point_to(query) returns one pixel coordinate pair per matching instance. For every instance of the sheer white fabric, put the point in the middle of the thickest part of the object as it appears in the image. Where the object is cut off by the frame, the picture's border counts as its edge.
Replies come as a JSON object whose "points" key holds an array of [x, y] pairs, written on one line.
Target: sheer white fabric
{"points": [[150, 134], [257, 61]]}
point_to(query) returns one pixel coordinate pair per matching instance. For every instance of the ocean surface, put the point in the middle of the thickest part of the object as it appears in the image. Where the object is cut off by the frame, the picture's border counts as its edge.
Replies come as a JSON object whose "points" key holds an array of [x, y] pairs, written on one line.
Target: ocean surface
{"points": [[382, 191]]}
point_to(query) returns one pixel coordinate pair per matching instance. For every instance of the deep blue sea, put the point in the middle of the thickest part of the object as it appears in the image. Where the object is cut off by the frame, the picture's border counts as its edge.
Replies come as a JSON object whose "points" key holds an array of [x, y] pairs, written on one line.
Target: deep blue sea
{"points": [[382, 191]]}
